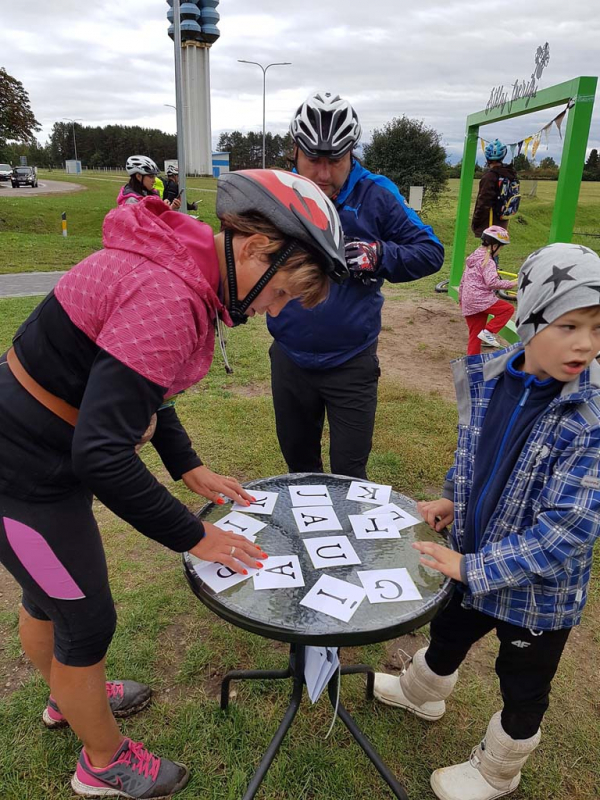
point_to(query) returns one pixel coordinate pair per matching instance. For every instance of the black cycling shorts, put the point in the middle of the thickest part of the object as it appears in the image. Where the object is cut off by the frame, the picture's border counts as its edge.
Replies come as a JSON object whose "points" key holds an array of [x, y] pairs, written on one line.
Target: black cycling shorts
{"points": [[54, 551]]}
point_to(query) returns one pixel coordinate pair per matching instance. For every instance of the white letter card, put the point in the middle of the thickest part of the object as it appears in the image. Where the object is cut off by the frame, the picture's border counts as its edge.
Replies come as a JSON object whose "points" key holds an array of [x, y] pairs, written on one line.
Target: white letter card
{"points": [[335, 598], [316, 518], [310, 495], [374, 526], [389, 585], [365, 492], [279, 572], [331, 551], [265, 503]]}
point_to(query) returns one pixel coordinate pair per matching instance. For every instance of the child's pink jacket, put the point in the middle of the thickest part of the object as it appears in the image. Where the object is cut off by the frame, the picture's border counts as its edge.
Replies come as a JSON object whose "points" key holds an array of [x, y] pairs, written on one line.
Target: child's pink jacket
{"points": [[479, 282]]}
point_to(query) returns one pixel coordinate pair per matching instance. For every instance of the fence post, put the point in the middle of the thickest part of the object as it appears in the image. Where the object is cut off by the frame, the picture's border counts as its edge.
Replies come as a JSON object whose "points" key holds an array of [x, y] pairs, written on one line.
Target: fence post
{"points": [[64, 223]]}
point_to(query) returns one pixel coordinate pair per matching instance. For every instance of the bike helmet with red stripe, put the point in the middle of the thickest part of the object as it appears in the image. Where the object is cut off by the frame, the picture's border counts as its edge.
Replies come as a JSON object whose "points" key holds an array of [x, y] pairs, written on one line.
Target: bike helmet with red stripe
{"points": [[495, 233], [295, 206], [325, 125]]}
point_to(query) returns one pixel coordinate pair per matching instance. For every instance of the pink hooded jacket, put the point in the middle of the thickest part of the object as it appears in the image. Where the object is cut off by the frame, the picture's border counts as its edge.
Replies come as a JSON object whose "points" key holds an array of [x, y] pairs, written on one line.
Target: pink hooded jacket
{"points": [[479, 281], [149, 298]]}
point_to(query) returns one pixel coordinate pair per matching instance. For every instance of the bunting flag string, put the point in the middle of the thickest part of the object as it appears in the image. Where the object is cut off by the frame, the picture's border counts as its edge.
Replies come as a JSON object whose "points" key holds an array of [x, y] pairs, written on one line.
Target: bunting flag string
{"points": [[535, 139]]}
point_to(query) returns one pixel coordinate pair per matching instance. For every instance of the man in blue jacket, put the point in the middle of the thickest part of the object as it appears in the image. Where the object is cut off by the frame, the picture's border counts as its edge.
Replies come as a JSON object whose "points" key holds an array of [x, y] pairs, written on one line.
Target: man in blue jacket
{"points": [[325, 359]]}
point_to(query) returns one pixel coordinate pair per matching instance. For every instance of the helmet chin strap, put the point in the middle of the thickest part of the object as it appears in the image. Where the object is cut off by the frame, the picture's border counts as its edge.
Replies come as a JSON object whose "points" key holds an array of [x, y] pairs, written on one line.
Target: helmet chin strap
{"points": [[237, 310]]}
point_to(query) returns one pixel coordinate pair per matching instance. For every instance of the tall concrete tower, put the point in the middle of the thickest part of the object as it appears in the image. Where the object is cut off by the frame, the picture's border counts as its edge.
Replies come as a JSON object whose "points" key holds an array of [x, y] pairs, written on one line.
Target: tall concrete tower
{"points": [[198, 32]]}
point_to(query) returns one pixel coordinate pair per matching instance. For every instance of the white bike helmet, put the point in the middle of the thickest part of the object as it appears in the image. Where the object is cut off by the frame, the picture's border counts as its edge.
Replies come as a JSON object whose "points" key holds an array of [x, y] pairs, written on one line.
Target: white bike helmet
{"points": [[325, 125], [141, 165], [172, 170]]}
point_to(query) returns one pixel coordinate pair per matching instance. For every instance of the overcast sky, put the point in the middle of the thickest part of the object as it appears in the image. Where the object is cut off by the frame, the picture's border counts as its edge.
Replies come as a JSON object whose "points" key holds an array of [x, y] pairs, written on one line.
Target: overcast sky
{"points": [[111, 61]]}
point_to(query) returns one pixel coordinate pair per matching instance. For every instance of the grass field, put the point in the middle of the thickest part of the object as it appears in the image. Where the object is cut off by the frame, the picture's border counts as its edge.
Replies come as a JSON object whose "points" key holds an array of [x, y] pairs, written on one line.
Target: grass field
{"points": [[165, 637]]}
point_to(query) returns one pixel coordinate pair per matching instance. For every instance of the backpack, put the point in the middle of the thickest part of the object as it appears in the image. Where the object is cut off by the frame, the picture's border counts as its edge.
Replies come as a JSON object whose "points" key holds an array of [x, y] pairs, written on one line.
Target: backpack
{"points": [[508, 199]]}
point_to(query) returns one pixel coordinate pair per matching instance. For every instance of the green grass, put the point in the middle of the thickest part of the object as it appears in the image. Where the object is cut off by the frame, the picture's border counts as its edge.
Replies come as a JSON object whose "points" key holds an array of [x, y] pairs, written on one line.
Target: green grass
{"points": [[167, 638]]}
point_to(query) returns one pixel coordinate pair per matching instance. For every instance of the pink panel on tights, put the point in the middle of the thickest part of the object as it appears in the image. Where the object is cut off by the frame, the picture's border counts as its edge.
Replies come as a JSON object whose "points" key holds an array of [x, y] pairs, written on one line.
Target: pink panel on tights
{"points": [[35, 555]]}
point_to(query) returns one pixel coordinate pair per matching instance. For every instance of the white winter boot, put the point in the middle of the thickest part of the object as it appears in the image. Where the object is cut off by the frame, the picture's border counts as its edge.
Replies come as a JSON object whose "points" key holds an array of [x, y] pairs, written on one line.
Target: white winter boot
{"points": [[418, 689], [493, 770]]}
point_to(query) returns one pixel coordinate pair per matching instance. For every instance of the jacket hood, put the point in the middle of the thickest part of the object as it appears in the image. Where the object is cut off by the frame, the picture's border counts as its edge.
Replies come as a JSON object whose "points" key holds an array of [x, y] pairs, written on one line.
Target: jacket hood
{"points": [[505, 171], [176, 242]]}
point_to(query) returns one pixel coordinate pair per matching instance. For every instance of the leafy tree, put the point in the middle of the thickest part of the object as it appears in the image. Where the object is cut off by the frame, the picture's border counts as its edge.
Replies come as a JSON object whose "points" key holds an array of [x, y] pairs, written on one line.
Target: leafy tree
{"points": [[245, 149], [591, 171], [17, 122], [410, 154], [521, 163], [548, 163]]}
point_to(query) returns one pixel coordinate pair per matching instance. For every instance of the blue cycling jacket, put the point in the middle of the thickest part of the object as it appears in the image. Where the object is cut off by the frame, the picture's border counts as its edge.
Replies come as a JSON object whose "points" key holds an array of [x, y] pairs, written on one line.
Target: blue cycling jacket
{"points": [[370, 207]]}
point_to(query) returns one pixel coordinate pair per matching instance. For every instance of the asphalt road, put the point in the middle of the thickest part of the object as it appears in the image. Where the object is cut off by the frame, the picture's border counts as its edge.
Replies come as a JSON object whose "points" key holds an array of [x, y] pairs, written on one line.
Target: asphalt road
{"points": [[45, 187]]}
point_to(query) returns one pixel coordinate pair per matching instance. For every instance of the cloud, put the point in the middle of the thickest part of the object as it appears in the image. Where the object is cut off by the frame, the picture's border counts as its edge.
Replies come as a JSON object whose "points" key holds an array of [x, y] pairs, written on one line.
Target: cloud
{"points": [[112, 62]]}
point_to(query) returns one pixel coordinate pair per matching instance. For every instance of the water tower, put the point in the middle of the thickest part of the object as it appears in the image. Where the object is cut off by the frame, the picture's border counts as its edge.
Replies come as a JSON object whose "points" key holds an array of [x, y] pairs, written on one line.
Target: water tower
{"points": [[198, 32]]}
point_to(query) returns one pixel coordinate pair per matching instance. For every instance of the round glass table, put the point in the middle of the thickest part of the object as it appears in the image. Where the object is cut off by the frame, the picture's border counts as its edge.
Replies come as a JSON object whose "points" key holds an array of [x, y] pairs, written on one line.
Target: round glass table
{"points": [[277, 613]]}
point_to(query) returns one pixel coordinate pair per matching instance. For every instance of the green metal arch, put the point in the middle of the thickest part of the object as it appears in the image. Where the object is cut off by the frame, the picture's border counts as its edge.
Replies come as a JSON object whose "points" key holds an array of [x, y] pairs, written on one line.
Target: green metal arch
{"points": [[581, 92]]}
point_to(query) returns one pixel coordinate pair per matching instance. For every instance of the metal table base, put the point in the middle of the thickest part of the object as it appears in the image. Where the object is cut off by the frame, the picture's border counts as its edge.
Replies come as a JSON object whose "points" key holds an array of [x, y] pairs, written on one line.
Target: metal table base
{"points": [[295, 670]]}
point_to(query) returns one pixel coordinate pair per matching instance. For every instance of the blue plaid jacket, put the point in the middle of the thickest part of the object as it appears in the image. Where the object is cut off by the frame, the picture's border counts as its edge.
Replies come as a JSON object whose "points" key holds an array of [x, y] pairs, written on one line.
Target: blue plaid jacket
{"points": [[533, 565]]}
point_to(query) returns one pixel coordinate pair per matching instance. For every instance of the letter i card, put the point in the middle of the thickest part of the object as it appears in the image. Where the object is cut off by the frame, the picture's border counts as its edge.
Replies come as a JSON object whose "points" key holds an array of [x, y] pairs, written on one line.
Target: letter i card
{"points": [[335, 598]]}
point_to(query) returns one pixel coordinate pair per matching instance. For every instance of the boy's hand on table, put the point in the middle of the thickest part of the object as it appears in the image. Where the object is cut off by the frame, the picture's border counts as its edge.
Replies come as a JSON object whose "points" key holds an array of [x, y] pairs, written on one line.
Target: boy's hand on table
{"points": [[438, 514], [441, 558]]}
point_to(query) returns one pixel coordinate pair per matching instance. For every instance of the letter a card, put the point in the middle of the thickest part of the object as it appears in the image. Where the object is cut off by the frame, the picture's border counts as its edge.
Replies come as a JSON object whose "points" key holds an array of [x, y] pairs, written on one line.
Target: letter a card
{"points": [[331, 551], [279, 572], [335, 598], [310, 496], [316, 518], [364, 492], [388, 585], [264, 503]]}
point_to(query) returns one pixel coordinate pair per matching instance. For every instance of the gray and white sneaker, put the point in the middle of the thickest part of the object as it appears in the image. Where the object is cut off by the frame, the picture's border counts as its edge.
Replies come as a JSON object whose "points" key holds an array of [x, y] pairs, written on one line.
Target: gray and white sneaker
{"points": [[134, 773], [488, 339]]}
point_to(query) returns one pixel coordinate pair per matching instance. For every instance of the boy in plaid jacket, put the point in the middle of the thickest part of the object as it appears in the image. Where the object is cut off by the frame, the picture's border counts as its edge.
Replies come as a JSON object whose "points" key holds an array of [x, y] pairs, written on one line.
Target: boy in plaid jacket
{"points": [[524, 497]]}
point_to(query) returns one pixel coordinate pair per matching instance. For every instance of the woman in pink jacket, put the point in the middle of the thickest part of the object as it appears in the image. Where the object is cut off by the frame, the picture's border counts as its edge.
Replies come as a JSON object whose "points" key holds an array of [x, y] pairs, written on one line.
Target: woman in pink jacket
{"points": [[476, 293], [89, 376]]}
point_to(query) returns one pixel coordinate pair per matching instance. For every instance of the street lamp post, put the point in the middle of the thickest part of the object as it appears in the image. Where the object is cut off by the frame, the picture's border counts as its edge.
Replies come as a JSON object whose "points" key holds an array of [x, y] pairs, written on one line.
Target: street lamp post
{"points": [[264, 71], [73, 121]]}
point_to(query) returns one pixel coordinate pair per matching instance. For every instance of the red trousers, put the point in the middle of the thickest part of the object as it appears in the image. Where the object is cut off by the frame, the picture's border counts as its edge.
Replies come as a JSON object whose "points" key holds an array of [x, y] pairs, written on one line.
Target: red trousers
{"points": [[501, 312]]}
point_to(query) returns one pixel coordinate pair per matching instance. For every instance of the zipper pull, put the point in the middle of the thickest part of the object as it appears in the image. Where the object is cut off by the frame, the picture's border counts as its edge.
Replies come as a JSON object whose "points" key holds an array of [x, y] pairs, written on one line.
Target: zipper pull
{"points": [[527, 391]]}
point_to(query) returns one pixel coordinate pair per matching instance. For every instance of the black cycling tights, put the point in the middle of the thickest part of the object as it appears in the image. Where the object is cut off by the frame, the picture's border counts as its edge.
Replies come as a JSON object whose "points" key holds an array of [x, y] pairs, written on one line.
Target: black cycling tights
{"points": [[54, 551]]}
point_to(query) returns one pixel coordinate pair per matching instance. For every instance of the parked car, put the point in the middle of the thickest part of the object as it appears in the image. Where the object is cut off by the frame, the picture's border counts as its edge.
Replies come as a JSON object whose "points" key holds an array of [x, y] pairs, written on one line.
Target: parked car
{"points": [[24, 176], [5, 172]]}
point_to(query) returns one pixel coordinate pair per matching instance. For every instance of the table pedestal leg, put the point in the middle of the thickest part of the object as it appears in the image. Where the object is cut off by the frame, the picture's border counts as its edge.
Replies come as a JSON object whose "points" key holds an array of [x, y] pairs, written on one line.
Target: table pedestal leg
{"points": [[295, 670], [387, 775]]}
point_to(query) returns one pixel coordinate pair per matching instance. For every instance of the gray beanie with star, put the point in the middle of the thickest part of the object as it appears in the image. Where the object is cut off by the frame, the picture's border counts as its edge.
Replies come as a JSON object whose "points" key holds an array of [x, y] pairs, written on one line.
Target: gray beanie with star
{"points": [[555, 279]]}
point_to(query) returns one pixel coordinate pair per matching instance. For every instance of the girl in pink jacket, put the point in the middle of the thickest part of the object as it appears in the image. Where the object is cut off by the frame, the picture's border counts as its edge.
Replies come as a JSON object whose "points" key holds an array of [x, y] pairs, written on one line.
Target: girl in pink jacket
{"points": [[476, 293]]}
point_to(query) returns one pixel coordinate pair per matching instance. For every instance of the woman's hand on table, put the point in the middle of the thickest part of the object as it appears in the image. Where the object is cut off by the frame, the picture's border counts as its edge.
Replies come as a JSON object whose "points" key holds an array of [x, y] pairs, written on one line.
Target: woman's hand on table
{"points": [[230, 549], [441, 558], [438, 514], [204, 481]]}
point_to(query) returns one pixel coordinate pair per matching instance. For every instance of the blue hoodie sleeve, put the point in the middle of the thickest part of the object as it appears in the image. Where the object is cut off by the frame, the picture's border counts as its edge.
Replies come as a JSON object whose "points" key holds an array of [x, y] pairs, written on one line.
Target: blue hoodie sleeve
{"points": [[411, 250]]}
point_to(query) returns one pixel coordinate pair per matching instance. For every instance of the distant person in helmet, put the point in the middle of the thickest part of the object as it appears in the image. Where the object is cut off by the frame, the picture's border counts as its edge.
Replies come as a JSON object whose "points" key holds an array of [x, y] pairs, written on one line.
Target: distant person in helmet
{"points": [[171, 192], [485, 213], [477, 289], [89, 377], [142, 173], [324, 360]]}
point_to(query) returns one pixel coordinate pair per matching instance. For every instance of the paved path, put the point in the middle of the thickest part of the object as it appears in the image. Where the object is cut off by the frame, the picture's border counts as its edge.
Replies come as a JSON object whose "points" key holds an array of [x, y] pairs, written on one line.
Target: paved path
{"points": [[44, 187], [28, 284]]}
